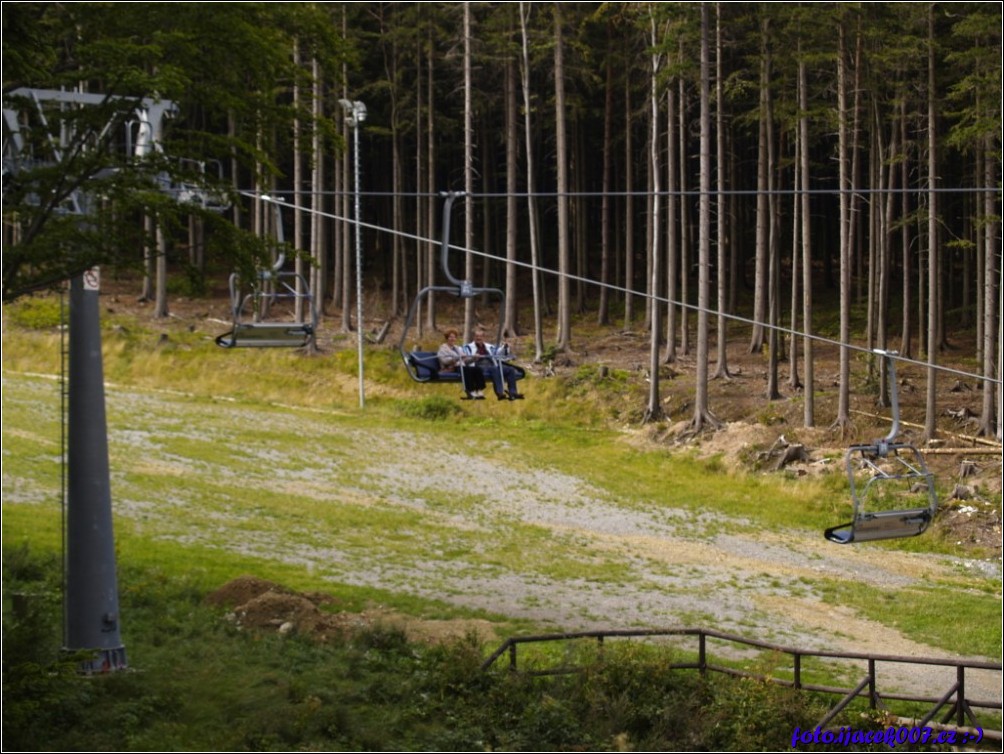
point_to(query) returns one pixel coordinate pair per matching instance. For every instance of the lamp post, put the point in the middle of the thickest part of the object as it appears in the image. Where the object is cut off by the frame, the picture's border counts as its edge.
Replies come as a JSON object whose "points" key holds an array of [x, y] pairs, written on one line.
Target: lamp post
{"points": [[356, 114]]}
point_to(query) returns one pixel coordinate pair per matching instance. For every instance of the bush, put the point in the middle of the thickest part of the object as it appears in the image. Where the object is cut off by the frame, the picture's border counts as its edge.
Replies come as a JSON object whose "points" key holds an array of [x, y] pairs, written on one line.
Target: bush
{"points": [[37, 312], [433, 408]]}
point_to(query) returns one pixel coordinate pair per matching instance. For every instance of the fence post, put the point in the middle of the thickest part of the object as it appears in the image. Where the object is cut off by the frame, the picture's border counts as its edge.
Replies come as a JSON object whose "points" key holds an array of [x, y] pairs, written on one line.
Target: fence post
{"points": [[872, 696], [512, 657], [702, 660], [960, 696], [798, 670]]}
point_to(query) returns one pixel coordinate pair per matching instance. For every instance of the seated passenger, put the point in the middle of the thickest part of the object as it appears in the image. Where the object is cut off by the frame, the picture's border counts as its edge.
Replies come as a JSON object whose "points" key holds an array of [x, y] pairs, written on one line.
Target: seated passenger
{"points": [[452, 359], [487, 358]]}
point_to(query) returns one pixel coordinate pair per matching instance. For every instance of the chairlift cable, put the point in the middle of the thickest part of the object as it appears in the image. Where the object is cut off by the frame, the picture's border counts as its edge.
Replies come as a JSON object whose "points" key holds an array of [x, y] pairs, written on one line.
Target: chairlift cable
{"points": [[621, 289], [641, 193]]}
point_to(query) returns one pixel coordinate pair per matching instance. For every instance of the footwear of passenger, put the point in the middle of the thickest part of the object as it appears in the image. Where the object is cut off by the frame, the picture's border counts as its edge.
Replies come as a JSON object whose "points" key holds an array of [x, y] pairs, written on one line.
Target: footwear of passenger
{"points": [[516, 396], [500, 396]]}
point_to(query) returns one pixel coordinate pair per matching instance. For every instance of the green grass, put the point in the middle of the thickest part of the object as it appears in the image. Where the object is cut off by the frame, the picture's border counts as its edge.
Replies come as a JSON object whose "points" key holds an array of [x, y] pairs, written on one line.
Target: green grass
{"points": [[260, 462], [960, 616], [199, 683]]}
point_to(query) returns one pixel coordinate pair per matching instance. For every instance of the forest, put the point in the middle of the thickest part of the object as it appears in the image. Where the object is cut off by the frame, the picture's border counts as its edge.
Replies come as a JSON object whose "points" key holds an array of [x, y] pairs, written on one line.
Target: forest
{"points": [[812, 171]]}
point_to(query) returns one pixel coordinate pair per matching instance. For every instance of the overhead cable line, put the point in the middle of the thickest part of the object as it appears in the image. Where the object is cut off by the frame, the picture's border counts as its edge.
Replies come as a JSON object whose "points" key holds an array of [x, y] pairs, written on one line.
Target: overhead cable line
{"points": [[643, 193], [628, 291]]}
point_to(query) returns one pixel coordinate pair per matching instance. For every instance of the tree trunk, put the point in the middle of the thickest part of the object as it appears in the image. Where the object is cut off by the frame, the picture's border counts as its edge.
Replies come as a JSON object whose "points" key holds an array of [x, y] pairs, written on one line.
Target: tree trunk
{"points": [[160, 309], [561, 158], [762, 204], [905, 347], [628, 211], [853, 217], [793, 381], [399, 267], [654, 410], [809, 408], [149, 258], [673, 203], [319, 269], [843, 390], [430, 174], [422, 248], [468, 173], [885, 255], [603, 315], [873, 209], [933, 254], [773, 260], [511, 326], [531, 182], [346, 227], [649, 225], [991, 297], [722, 367], [235, 167], [297, 239], [702, 415], [685, 231]]}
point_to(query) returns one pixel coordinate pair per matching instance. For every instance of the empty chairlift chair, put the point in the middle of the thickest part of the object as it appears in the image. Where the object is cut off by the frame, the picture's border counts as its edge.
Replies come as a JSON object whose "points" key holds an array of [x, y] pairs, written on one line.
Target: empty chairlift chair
{"points": [[274, 310], [892, 490]]}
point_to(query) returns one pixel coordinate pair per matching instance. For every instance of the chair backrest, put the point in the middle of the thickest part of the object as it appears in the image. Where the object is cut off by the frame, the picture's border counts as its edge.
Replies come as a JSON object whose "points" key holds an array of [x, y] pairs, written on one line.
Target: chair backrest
{"points": [[423, 365], [891, 524]]}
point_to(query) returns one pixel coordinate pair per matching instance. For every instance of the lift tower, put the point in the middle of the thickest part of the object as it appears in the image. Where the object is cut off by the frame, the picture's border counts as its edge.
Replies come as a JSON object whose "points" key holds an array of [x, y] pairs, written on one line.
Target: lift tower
{"points": [[91, 621]]}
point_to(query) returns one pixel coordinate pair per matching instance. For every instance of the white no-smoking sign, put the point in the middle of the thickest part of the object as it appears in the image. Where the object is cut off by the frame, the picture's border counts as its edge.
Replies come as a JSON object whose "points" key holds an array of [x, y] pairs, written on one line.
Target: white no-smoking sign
{"points": [[92, 279]]}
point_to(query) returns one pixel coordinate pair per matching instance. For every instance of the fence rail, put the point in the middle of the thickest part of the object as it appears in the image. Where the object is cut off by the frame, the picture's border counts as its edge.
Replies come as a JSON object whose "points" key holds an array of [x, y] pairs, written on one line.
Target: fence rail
{"points": [[961, 706]]}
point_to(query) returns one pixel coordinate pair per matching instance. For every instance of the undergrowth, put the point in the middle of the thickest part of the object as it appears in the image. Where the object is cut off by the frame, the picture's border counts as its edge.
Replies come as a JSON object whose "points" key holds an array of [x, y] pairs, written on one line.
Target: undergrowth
{"points": [[198, 682]]}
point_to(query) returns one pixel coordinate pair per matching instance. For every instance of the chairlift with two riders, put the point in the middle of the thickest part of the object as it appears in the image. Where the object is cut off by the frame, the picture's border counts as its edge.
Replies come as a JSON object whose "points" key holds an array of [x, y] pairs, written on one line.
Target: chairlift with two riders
{"points": [[423, 366]]}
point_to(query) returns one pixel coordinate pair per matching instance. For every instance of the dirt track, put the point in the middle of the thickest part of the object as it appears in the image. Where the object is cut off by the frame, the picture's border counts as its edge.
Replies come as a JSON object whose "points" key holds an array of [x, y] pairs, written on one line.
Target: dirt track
{"points": [[673, 568]]}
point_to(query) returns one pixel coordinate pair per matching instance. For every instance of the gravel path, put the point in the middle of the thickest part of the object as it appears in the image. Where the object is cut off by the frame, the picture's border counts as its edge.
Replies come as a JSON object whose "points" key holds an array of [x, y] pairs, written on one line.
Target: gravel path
{"points": [[638, 565]]}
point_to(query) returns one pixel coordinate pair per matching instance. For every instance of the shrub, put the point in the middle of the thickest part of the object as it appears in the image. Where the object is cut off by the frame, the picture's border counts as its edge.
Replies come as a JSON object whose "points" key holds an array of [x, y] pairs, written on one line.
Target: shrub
{"points": [[36, 312], [434, 408]]}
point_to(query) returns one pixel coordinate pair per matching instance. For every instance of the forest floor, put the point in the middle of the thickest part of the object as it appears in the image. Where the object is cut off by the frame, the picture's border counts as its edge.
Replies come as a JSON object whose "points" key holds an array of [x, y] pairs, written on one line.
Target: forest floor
{"points": [[752, 428]]}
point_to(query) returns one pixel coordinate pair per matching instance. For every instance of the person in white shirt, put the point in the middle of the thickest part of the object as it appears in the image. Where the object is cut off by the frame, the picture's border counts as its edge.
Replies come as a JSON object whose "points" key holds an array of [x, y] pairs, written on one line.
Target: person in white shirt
{"points": [[487, 358]]}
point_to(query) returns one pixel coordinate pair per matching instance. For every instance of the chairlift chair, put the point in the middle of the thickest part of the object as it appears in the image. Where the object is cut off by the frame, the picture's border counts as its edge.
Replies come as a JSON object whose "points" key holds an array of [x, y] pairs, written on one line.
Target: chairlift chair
{"points": [[270, 287], [423, 366], [896, 474]]}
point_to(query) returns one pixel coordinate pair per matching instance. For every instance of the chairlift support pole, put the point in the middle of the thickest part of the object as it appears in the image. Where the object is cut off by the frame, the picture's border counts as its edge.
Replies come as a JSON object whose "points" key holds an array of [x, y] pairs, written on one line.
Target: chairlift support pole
{"points": [[91, 590], [91, 621], [356, 114]]}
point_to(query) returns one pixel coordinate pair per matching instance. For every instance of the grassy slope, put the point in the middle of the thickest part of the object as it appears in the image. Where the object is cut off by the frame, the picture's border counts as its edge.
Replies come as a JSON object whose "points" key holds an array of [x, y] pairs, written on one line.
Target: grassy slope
{"points": [[222, 418], [251, 409]]}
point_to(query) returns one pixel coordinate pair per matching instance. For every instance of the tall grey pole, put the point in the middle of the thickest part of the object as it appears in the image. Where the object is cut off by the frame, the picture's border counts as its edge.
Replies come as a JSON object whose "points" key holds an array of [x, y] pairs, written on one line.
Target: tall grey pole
{"points": [[92, 605], [359, 266], [356, 114]]}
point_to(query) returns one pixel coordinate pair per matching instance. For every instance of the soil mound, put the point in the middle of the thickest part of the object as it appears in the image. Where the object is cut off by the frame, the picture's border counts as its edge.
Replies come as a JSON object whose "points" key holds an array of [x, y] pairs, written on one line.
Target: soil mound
{"points": [[260, 605], [243, 589]]}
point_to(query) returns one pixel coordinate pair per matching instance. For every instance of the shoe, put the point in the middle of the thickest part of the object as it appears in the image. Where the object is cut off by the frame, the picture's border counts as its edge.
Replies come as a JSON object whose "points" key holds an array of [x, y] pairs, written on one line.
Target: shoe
{"points": [[516, 396], [468, 397], [500, 396], [479, 397]]}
